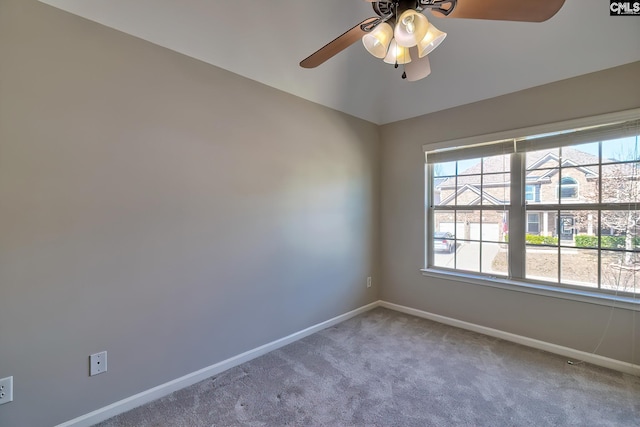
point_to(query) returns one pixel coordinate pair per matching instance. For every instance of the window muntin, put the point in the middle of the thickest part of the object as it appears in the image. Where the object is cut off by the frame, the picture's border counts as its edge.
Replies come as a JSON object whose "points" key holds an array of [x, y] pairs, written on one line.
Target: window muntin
{"points": [[572, 199]]}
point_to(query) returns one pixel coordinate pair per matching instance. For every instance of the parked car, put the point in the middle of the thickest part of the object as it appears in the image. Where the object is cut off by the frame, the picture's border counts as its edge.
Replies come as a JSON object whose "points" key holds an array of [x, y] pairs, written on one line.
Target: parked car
{"points": [[443, 242]]}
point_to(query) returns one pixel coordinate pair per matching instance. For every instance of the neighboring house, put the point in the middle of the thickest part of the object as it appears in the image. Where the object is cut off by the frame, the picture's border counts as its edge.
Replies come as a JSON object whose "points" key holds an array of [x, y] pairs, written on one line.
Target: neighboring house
{"points": [[487, 183]]}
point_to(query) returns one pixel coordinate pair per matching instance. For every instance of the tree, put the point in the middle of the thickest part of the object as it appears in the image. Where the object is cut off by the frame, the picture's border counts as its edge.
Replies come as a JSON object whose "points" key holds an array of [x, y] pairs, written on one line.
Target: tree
{"points": [[620, 185]]}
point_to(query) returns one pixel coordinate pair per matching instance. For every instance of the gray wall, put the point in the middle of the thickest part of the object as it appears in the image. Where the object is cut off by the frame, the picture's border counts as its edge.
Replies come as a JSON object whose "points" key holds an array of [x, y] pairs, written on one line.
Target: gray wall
{"points": [[169, 212], [572, 324]]}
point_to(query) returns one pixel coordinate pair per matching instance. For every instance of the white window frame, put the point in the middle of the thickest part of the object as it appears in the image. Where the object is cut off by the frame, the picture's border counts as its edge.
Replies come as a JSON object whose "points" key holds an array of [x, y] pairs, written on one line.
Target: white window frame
{"points": [[518, 214]]}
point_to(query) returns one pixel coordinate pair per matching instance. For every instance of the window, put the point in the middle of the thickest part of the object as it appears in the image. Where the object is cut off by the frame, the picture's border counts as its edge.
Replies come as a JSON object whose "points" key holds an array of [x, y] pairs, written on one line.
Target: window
{"points": [[532, 193], [471, 196], [533, 223], [568, 188], [559, 208]]}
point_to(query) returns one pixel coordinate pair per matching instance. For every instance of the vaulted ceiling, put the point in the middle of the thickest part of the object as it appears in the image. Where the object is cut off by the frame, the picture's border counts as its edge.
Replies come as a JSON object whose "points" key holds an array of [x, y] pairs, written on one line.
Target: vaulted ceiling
{"points": [[266, 40]]}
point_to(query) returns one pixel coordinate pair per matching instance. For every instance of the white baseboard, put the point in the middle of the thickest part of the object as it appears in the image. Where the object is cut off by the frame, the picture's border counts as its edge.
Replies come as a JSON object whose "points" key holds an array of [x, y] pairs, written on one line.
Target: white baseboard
{"points": [[194, 377], [570, 353]]}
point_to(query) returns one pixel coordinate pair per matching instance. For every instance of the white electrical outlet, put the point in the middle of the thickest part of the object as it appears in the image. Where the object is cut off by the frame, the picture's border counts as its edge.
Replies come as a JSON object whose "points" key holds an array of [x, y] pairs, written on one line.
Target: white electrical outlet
{"points": [[97, 363], [369, 282], [6, 390]]}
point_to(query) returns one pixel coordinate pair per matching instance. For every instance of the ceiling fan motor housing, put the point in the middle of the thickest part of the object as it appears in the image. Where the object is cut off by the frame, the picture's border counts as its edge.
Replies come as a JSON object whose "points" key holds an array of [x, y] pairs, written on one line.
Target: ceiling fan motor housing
{"points": [[386, 8]]}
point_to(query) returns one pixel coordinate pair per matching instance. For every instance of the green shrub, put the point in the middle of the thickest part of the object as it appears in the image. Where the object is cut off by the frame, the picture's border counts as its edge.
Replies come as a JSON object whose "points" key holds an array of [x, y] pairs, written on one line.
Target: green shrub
{"points": [[534, 239], [586, 241], [611, 242]]}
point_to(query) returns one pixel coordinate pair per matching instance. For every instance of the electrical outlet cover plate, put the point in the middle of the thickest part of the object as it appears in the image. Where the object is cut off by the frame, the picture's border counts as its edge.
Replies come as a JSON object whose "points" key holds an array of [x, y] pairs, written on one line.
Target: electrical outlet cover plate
{"points": [[6, 390], [98, 363]]}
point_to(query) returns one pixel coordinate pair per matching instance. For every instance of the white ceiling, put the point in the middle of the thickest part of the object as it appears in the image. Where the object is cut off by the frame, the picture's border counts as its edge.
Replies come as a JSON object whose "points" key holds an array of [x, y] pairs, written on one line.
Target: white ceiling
{"points": [[265, 41]]}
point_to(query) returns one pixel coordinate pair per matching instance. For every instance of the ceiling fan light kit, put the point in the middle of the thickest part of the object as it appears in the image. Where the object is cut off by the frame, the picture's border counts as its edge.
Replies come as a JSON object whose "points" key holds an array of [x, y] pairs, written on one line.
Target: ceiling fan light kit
{"points": [[397, 54], [417, 69], [378, 40], [402, 34], [431, 41], [411, 28]]}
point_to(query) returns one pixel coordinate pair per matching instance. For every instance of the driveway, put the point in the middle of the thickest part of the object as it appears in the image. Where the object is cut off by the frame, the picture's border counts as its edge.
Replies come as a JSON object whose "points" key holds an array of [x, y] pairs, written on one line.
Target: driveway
{"points": [[467, 257]]}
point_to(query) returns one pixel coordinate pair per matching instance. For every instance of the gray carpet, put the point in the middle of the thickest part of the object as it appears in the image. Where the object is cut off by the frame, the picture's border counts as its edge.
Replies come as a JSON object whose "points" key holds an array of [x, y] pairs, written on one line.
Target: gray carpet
{"points": [[384, 368]]}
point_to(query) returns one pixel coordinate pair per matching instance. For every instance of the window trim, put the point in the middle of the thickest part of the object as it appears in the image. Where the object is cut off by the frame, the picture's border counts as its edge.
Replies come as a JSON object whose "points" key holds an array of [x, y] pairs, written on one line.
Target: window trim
{"points": [[571, 294], [512, 134], [517, 212]]}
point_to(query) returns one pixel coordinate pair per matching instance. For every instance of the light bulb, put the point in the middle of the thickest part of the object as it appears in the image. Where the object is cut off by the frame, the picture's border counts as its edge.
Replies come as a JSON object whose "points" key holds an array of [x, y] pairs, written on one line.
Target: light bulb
{"points": [[408, 23], [397, 54], [412, 26]]}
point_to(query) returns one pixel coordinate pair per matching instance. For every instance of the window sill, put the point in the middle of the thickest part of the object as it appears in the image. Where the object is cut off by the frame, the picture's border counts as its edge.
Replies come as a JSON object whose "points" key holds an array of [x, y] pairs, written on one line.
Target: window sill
{"points": [[585, 296]]}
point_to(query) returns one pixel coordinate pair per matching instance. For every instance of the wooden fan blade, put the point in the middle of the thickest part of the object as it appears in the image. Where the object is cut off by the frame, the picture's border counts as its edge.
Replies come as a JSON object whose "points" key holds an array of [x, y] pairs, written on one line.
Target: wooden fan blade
{"points": [[336, 46], [505, 10]]}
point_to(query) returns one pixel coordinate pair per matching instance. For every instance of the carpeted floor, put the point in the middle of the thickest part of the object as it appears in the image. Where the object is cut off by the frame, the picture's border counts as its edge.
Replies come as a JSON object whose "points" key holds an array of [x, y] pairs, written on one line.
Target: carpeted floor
{"points": [[384, 368]]}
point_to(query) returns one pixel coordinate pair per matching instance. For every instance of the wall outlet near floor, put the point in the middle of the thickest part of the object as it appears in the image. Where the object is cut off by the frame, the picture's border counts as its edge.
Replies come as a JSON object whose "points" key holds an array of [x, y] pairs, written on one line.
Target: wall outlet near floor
{"points": [[97, 363], [369, 282], [6, 390]]}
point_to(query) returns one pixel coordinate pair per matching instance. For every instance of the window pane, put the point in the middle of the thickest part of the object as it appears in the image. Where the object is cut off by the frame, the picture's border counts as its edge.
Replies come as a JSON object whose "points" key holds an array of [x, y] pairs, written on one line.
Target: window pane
{"points": [[500, 262], [619, 150], [543, 159], [500, 163], [468, 225], [620, 271], [444, 222], [620, 183], [469, 166], [468, 190], [577, 185], [566, 229], [583, 154], [444, 191], [620, 229], [468, 257], [585, 229], [541, 228], [542, 263], [444, 169], [496, 189], [444, 250], [494, 226], [579, 267], [493, 258]]}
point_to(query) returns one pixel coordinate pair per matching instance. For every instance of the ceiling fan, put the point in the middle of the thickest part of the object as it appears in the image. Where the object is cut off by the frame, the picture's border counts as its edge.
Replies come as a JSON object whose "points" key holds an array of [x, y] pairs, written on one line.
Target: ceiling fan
{"points": [[402, 35]]}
